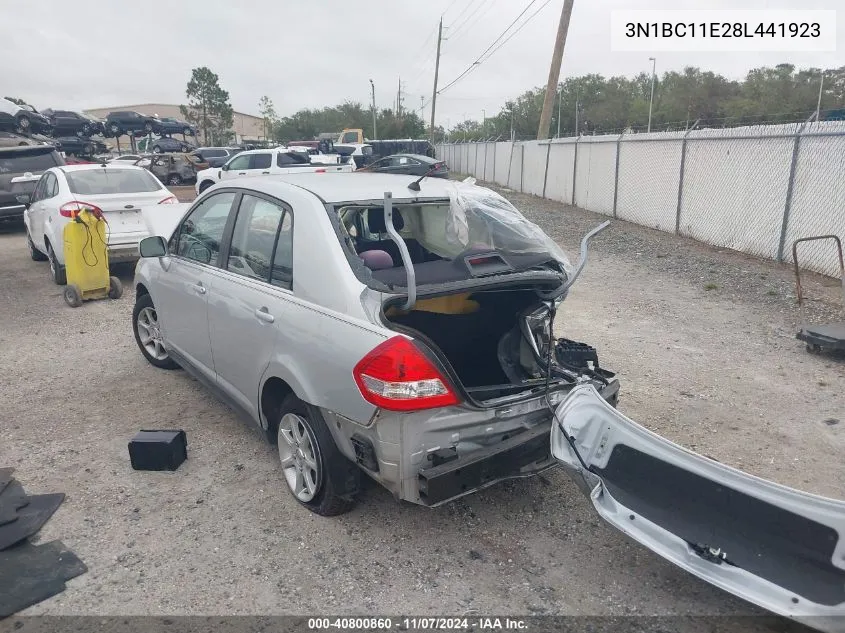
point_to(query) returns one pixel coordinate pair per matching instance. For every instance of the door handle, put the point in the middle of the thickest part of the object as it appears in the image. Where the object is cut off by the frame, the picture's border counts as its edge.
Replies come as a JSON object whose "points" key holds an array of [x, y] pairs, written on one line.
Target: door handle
{"points": [[241, 173], [199, 288], [265, 173], [263, 314]]}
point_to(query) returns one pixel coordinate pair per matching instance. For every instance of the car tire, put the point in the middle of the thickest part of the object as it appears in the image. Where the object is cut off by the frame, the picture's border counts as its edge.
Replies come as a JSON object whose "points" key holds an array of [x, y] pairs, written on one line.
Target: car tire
{"points": [[86, 130], [317, 474], [188, 131], [144, 313], [114, 128], [156, 149], [34, 253], [205, 185], [23, 123], [174, 180], [148, 127], [88, 149], [57, 271]]}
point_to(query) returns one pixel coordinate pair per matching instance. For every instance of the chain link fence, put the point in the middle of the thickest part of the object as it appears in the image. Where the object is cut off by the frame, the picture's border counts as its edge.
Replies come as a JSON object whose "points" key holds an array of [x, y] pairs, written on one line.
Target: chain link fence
{"points": [[753, 189]]}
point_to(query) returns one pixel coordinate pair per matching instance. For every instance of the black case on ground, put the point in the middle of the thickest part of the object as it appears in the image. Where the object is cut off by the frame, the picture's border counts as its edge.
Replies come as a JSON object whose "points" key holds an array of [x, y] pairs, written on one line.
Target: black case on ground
{"points": [[158, 450]]}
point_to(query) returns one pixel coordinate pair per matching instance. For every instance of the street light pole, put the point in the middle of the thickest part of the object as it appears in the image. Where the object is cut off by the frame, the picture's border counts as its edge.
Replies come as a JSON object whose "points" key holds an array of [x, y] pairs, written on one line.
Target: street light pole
{"points": [[819, 102], [651, 101], [375, 134]]}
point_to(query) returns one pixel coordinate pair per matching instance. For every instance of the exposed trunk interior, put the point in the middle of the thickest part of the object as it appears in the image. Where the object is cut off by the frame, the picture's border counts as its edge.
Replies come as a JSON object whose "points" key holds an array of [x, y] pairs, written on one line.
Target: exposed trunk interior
{"points": [[469, 329]]}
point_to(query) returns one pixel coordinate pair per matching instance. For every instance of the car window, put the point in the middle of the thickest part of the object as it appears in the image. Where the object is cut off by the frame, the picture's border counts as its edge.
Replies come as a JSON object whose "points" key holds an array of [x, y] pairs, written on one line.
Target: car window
{"points": [[40, 188], [95, 182], [255, 231], [201, 233], [51, 186], [282, 274], [261, 161], [21, 163], [350, 137], [241, 162], [291, 158]]}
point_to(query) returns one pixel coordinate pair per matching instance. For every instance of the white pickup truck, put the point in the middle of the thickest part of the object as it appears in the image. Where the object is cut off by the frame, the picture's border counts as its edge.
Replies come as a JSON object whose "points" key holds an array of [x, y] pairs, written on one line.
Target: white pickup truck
{"points": [[265, 162]]}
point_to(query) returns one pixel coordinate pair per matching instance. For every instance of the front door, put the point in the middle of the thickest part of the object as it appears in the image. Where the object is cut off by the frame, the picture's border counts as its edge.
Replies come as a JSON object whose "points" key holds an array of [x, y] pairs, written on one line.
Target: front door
{"points": [[186, 283], [779, 548], [245, 309], [237, 167]]}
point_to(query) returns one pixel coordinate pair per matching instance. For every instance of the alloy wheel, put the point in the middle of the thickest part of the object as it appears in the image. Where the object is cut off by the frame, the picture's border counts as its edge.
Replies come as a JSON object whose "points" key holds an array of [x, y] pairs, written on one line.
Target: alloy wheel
{"points": [[149, 333], [299, 455]]}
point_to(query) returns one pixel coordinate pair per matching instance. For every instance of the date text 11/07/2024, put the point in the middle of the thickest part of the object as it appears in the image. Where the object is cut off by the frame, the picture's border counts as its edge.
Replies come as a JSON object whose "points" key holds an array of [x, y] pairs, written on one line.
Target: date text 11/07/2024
{"points": [[477, 623], [722, 29]]}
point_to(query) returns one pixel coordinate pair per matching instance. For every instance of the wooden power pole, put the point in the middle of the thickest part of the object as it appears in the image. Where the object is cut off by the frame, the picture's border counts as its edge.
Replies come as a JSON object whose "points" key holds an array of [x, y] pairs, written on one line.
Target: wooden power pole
{"points": [[436, 73], [554, 71]]}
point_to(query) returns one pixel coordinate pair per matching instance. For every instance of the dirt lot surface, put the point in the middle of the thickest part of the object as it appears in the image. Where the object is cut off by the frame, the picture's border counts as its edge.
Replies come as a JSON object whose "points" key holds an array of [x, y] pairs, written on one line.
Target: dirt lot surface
{"points": [[704, 345]]}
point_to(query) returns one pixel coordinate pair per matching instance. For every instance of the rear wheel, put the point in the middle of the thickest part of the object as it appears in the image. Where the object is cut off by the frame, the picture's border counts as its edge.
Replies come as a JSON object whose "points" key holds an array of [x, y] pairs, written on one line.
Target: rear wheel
{"points": [[318, 476], [114, 128], [147, 330], [156, 149], [57, 271], [34, 253], [23, 123], [188, 131], [174, 180]]}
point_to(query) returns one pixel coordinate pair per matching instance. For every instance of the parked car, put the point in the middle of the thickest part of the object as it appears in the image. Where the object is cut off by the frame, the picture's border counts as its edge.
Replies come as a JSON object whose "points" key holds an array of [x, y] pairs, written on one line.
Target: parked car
{"points": [[167, 144], [119, 192], [77, 145], [174, 169], [264, 162], [10, 139], [22, 118], [20, 169], [360, 153], [130, 122], [216, 156], [128, 158], [444, 382], [169, 125], [410, 164], [68, 123]]}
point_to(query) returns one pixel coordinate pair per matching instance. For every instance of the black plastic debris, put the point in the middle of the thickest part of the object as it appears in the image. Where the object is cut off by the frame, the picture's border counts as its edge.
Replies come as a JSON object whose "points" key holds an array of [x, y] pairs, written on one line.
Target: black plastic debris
{"points": [[33, 573], [12, 499], [158, 450], [29, 519]]}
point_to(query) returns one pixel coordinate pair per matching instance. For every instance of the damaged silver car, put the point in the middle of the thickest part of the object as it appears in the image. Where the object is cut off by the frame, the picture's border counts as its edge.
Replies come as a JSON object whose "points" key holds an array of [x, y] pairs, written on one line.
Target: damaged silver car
{"points": [[402, 329]]}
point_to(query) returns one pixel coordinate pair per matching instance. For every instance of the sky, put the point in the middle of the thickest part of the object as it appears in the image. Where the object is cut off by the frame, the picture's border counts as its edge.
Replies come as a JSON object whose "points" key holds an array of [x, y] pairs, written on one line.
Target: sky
{"points": [[310, 54]]}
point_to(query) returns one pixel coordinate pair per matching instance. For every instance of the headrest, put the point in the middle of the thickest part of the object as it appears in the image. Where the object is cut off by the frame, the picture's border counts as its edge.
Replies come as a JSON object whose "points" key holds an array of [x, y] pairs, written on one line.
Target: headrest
{"points": [[376, 260], [375, 221]]}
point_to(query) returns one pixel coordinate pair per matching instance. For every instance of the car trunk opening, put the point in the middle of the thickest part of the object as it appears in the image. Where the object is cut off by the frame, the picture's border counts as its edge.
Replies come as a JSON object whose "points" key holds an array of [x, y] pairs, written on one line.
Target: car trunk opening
{"points": [[494, 340]]}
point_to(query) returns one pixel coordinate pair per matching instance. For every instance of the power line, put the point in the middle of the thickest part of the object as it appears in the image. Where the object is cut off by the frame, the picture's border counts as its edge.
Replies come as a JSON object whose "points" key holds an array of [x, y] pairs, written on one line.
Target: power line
{"points": [[480, 59], [470, 21], [543, 6], [451, 4], [472, 2]]}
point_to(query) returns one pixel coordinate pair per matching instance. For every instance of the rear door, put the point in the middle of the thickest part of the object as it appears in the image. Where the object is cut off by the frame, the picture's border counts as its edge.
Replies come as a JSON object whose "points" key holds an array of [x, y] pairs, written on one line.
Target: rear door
{"points": [[186, 281], [244, 311], [779, 548]]}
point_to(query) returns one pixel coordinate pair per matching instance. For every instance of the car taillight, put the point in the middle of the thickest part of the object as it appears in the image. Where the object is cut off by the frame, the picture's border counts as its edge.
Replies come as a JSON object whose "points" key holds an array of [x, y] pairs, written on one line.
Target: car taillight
{"points": [[170, 200], [397, 376], [319, 171], [72, 209]]}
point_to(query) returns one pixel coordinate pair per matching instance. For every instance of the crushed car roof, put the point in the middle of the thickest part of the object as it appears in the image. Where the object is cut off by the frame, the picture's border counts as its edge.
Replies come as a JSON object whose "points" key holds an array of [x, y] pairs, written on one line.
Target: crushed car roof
{"points": [[344, 187]]}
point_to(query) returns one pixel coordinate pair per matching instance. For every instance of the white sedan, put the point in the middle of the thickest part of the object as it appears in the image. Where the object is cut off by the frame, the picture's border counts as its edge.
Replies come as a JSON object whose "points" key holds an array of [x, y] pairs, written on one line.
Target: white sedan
{"points": [[125, 195]]}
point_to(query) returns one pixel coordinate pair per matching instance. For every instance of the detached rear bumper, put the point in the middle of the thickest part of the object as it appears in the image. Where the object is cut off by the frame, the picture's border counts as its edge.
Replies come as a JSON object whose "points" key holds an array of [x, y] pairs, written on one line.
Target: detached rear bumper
{"points": [[13, 212]]}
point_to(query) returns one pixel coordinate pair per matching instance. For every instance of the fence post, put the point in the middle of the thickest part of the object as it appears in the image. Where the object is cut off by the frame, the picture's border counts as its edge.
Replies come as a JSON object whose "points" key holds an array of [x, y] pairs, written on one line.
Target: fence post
{"points": [[522, 170], [484, 177], [788, 206], [681, 178], [546, 172], [495, 145], [616, 172], [575, 169], [510, 162]]}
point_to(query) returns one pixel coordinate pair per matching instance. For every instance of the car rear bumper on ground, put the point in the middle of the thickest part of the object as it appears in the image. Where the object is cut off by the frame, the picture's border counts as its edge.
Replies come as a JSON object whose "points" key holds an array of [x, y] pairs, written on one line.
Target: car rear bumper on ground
{"points": [[434, 456], [779, 548]]}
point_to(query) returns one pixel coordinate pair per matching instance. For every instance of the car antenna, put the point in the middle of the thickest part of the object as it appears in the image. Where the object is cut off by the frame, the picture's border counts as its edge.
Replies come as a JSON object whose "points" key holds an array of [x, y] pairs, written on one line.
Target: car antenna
{"points": [[415, 186]]}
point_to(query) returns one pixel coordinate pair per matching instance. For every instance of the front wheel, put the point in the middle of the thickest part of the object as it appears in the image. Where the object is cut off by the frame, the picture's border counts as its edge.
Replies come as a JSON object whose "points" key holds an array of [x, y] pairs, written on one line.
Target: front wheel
{"points": [[188, 131], [174, 180], [147, 329], [318, 476], [114, 128], [23, 123], [156, 149], [205, 185]]}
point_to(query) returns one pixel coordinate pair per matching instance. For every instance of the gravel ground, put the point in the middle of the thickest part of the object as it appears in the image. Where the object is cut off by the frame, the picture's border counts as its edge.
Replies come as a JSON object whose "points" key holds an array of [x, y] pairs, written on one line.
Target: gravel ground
{"points": [[704, 345]]}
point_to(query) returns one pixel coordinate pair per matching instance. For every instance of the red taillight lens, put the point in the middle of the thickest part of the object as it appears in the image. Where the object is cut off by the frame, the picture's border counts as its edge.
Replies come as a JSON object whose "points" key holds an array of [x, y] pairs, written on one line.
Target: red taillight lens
{"points": [[71, 209], [319, 171], [170, 200], [397, 376]]}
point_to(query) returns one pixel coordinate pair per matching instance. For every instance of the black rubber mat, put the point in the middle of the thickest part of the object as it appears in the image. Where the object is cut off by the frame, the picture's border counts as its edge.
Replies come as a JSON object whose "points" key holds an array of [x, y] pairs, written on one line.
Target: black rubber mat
{"points": [[32, 573], [30, 518], [12, 498], [6, 477]]}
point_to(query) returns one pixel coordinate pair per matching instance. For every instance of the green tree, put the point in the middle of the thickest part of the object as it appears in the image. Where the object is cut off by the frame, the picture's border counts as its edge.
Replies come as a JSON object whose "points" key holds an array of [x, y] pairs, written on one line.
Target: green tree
{"points": [[268, 112], [208, 107]]}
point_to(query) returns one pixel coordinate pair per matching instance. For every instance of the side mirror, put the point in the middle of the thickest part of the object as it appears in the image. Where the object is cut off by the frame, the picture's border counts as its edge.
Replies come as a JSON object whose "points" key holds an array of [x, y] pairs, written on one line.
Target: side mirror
{"points": [[154, 246], [25, 199], [225, 167]]}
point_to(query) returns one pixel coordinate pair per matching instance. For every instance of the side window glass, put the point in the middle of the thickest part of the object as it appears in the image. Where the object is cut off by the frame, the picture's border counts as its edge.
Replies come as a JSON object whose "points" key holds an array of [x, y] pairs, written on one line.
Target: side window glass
{"points": [[201, 233], [241, 162], [38, 194], [52, 186], [251, 252], [282, 275], [261, 161]]}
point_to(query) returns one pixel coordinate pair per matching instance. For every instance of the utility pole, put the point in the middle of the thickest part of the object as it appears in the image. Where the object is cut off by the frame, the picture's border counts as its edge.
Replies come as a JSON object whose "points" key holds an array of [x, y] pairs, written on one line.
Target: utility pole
{"points": [[399, 100], [554, 70], [651, 101], [577, 108], [422, 107], [819, 102], [436, 73], [375, 134], [511, 123]]}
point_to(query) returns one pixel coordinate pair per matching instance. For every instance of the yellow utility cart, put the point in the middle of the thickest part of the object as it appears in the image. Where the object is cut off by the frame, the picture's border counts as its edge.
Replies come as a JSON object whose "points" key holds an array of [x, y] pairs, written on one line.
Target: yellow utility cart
{"points": [[87, 259]]}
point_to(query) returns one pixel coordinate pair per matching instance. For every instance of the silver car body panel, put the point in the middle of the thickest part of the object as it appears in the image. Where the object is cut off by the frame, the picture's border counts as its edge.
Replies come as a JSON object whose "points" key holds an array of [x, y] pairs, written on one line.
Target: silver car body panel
{"points": [[812, 526]]}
